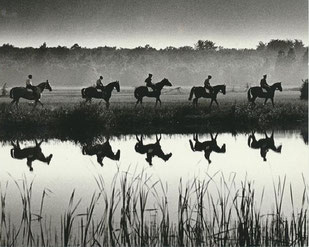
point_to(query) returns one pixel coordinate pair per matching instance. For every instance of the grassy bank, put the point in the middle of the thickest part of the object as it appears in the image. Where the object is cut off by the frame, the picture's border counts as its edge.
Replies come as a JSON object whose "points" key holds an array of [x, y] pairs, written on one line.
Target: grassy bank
{"points": [[135, 211], [176, 117]]}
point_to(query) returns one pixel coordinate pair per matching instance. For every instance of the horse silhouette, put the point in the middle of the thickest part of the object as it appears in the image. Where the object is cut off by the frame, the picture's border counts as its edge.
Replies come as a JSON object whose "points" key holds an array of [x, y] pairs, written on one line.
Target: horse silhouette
{"points": [[21, 92], [200, 92], [257, 92], [30, 153], [151, 150], [106, 93], [101, 151], [143, 91], [207, 146], [264, 144]]}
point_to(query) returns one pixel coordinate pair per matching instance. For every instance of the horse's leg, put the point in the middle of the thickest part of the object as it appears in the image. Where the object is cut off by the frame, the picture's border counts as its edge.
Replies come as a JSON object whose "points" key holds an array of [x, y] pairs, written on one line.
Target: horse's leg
{"points": [[157, 100], [136, 103], [211, 103], [107, 104], [160, 101], [40, 103], [216, 102], [13, 101], [265, 100], [272, 101]]}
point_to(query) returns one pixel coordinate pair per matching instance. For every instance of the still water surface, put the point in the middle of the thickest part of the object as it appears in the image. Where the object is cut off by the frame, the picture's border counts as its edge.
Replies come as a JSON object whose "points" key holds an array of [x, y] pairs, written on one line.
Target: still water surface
{"points": [[166, 157]]}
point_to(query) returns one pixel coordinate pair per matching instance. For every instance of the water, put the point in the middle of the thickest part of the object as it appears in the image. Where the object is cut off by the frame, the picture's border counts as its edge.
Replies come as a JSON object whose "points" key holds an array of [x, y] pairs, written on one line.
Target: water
{"points": [[227, 155]]}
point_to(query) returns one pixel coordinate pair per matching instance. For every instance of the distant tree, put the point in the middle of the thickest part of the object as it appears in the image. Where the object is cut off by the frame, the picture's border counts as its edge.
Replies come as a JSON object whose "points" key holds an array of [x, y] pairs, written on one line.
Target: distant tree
{"points": [[205, 45], [298, 44], [304, 90], [261, 46], [75, 47], [305, 56], [280, 45], [291, 57], [43, 46], [185, 48], [4, 91]]}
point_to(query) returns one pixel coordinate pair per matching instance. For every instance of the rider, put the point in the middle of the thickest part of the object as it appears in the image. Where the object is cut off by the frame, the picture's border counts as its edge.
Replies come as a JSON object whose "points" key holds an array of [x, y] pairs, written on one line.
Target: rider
{"points": [[29, 84], [207, 84], [264, 84], [149, 82], [99, 84]]}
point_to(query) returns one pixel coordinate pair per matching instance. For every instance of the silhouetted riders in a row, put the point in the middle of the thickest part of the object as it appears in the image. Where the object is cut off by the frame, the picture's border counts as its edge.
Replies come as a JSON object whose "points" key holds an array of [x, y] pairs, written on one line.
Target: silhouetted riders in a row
{"points": [[151, 150], [99, 91]]}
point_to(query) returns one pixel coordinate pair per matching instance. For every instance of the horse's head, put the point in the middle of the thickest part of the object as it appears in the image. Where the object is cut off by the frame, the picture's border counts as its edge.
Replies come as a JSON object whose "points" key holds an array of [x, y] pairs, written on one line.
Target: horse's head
{"points": [[117, 85], [139, 145], [166, 82], [47, 86], [278, 86], [223, 90]]}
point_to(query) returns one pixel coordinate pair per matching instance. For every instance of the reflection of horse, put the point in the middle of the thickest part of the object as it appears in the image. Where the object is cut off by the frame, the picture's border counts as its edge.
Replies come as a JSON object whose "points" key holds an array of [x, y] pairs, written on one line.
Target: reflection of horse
{"points": [[141, 92], [151, 150], [106, 93], [30, 153], [264, 144], [21, 92], [257, 92], [200, 92], [207, 146], [101, 151]]}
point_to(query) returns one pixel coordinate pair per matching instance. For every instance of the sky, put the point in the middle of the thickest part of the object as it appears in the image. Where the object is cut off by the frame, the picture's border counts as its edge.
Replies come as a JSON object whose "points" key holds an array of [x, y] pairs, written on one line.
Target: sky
{"points": [[159, 23]]}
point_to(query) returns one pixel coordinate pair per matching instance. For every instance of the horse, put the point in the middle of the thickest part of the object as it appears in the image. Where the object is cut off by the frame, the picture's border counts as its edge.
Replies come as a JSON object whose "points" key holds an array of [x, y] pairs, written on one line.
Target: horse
{"points": [[264, 144], [200, 92], [151, 150], [101, 151], [142, 91], [21, 92], [30, 153], [207, 146], [106, 93], [257, 92]]}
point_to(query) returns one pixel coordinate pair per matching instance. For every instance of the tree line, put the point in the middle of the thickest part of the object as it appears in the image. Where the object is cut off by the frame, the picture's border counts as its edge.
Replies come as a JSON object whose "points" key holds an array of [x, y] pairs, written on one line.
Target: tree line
{"points": [[282, 60]]}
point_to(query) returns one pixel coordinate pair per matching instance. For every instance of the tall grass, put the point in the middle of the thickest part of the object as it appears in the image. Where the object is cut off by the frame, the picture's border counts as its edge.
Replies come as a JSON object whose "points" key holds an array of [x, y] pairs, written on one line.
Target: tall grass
{"points": [[136, 211], [127, 119]]}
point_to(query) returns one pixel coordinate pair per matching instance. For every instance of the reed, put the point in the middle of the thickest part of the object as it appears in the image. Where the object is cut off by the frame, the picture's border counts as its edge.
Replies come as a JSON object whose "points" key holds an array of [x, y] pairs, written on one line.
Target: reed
{"points": [[135, 210]]}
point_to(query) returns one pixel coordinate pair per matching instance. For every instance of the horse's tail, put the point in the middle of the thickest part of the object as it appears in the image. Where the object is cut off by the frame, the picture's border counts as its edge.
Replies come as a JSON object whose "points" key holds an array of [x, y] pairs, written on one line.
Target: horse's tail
{"points": [[83, 93], [191, 93], [249, 94], [11, 94]]}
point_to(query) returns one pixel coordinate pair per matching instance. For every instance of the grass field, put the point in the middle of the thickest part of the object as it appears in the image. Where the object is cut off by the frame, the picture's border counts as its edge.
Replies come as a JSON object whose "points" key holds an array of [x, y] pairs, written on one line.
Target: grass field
{"points": [[64, 110]]}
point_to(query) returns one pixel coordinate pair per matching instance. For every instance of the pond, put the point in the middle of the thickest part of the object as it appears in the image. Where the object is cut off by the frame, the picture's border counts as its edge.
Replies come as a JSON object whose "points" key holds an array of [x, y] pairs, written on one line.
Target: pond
{"points": [[61, 167]]}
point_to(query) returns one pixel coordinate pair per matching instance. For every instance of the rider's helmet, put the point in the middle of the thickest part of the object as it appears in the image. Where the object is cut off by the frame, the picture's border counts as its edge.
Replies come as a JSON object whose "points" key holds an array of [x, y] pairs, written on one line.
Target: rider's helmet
{"points": [[264, 76], [150, 75], [209, 76], [30, 76], [101, 77]]}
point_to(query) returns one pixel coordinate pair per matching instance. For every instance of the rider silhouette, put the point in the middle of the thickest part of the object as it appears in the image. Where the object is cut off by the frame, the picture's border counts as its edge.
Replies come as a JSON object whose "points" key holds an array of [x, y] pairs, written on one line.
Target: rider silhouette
{"points": [[149, 82], [264, 83], [99, 85], [207, 84], [29, 84]]}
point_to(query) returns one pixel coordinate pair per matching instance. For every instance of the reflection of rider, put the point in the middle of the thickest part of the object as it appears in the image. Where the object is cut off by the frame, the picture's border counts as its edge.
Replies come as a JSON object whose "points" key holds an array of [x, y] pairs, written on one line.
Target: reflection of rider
{"points": [[207, 84], [99, 85], [149, 82], [264, 83]]}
